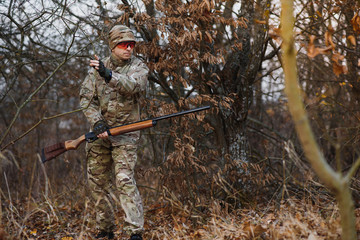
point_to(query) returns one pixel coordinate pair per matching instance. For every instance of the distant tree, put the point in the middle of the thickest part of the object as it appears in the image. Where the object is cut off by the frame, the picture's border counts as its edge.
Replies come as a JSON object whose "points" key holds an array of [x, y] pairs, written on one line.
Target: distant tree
{"points": [[42, 52]]}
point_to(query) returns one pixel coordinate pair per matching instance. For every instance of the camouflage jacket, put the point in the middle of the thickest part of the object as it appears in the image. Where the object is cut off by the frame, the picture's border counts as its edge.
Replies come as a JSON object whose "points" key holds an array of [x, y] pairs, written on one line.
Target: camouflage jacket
{"points": [[115, 102]]}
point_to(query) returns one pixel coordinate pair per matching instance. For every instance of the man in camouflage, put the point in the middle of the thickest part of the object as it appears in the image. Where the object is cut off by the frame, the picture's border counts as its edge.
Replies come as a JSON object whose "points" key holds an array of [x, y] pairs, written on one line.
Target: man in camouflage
{"points": [[110, 96]]}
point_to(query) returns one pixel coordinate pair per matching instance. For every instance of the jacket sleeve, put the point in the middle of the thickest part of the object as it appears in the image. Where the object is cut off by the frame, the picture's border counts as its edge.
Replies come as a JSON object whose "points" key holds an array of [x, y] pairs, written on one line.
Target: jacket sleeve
{"points": [[131, 82], [89, 100]]}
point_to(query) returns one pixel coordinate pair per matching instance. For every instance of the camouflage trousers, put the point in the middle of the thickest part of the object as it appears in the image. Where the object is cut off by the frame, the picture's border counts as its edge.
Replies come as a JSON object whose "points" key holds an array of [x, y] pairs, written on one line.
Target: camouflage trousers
{"points": [[108, 164]]}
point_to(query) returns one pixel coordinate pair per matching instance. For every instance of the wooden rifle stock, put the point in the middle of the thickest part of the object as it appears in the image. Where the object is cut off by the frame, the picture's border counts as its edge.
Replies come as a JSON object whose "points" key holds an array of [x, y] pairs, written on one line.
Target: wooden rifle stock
{"points": [[51, 152], [132, 127]]}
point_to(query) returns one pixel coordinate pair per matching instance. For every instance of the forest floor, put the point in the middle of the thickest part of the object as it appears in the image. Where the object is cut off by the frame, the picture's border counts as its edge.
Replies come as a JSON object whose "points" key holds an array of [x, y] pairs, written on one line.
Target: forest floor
{"points": [[170, 219]]}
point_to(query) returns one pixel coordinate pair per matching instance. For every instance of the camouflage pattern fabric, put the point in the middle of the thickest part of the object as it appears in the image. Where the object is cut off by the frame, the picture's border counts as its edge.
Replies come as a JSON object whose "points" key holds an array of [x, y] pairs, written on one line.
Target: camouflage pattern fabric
{"points": [[116, 103], [101, 157], [118, 34]]}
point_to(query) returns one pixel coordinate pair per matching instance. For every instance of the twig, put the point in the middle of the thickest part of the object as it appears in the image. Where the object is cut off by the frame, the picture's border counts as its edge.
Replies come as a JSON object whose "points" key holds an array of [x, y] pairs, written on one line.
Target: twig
{"points": [[31, 185], [37, 124], [47, 185], [353, 170], [30, 97], [84, 220], [12, 207]]}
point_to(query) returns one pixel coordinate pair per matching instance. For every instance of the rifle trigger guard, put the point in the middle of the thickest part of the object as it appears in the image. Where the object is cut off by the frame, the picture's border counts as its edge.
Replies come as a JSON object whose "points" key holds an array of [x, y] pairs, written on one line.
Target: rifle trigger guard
{"points": [[90, 137]]}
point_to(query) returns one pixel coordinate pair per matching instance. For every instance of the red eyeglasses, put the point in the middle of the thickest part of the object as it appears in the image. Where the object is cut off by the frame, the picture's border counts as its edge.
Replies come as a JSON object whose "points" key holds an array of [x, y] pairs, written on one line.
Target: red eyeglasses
{"points": [[125, 45]]}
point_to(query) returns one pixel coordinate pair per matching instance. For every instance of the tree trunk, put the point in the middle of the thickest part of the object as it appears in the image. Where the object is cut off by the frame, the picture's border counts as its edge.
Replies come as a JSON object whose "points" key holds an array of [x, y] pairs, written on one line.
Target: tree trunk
{"points": [[239, 76], [334, 180]]}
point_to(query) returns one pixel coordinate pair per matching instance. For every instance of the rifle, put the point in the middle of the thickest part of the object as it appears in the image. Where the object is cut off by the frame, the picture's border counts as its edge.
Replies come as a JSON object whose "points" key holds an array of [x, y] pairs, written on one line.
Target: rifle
{"points": [[51, 152]]}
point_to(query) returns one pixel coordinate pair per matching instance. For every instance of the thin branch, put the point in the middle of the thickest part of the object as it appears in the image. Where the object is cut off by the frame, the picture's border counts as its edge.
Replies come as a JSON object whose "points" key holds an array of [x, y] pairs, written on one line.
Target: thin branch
{"points": [[352, 170], [37, 90], [37, 124]]}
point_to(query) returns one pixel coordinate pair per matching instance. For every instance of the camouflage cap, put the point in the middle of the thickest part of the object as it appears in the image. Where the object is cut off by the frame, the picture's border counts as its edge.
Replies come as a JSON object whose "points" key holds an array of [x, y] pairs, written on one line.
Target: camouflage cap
{"points": [[118, 34]]}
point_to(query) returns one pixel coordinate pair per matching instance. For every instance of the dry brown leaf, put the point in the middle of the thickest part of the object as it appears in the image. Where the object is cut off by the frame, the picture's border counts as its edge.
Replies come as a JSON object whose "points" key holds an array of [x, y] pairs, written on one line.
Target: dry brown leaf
{"points": [[336, 57], [252, 230], [260, 21], [352, 40], [275, 34], [339, 69], [355, 22], [312, 51], [328, 38], [209, 38]]}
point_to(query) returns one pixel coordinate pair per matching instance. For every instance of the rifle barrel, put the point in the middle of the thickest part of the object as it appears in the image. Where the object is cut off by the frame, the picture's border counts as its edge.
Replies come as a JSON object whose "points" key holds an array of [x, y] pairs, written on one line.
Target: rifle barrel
{"points": [[181, 113]]}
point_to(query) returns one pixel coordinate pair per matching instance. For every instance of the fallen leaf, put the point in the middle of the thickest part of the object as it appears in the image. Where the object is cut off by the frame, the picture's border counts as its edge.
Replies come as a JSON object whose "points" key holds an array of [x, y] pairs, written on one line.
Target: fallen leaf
{"points": [[253, 230], [67, 238], [33, 232], [312, 237]]}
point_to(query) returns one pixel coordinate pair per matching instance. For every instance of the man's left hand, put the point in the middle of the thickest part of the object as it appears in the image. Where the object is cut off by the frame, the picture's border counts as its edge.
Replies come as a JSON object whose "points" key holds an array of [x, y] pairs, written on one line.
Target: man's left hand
{"points": [[100, 67]]}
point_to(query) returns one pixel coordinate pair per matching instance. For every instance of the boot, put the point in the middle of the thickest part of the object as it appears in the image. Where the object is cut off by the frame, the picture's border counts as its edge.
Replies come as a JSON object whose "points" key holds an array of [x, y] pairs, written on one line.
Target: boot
{"points": [[103, 235], [136, 237]]}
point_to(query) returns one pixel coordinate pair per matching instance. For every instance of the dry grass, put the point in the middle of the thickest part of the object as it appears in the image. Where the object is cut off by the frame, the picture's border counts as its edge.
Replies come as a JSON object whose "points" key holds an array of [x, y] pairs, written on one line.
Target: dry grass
{"points": [[67, 218], [293, 219]]}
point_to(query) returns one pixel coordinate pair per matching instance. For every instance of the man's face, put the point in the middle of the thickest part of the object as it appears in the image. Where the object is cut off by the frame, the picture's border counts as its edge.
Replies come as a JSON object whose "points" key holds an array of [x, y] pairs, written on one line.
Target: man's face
{"points": [[124, 50]]}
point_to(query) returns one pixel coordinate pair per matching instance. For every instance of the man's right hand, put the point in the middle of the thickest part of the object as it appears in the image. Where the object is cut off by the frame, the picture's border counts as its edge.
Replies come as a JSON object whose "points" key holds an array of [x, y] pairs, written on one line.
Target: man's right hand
{"points": [[100, 129]]}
